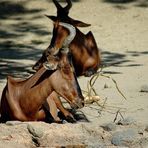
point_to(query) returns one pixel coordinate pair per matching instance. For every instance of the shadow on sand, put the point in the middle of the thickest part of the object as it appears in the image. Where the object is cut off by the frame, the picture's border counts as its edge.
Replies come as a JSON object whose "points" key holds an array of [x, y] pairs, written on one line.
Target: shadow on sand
{"points": [[10, 33], [11, 50], [121, 4], [120, 59]]}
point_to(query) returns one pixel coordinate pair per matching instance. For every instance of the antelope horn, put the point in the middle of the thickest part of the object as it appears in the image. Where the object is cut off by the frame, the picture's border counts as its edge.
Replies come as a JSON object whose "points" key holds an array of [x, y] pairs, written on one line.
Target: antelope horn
{"points": [[68, 39], [72, 33], [60, 9], [57, 5], [69, 5]]}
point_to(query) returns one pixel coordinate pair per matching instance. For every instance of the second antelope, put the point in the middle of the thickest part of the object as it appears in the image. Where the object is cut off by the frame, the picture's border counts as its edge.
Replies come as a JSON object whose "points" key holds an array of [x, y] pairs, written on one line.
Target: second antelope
{"points": [[85, 53]]}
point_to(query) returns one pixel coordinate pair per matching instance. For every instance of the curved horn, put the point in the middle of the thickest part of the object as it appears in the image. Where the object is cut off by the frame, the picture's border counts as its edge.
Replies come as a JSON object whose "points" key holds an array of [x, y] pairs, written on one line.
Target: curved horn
{"points": [[69, 5], [60, 10], [72, 33], [57, 4]]}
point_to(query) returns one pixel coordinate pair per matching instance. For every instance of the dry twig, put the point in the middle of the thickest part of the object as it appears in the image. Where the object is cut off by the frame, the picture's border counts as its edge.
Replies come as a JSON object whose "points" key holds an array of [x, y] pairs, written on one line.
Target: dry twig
{"points": [[91, 95], [118, 113]]}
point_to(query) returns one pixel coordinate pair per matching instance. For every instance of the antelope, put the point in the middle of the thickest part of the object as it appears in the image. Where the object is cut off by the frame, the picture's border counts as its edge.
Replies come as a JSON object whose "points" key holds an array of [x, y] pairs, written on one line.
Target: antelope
{"points": [[25, 100], [84, 51]]}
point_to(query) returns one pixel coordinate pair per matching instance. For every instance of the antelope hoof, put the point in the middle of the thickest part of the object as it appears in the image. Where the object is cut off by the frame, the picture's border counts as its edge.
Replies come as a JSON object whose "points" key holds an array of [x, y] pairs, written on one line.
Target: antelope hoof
{"points": [[57, 120], [71, 119]]}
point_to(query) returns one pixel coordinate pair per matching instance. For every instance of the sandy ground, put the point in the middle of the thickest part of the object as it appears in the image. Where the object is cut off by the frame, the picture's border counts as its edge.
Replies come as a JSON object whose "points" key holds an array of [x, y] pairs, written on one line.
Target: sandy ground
{"points": [[121, 32]]}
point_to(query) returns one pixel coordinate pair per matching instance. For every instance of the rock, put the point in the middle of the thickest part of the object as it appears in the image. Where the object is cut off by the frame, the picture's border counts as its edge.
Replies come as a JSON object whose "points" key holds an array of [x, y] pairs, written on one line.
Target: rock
{"points": [[146, 128], [11, 123], [106, 86], [109, 126], [34, 131], [73, 135], [126, 121], [144, 88], [15, 136], [4, 144], [124, 138]]}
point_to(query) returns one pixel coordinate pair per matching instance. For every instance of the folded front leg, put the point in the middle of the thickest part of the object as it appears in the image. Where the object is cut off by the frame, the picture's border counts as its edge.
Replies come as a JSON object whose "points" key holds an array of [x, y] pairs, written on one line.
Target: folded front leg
{"points": [[52, 108], [68, 116]]}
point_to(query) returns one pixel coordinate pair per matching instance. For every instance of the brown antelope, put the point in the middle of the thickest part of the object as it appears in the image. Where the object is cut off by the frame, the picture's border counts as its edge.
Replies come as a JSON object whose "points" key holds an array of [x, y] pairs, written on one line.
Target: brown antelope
{"points": [[84, 50], [24, 99]]}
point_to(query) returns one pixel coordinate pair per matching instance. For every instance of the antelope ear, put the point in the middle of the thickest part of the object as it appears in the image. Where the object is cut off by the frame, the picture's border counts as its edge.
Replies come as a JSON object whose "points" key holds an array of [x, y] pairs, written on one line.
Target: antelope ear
{"points": [[53, 18], [91, 40], [80, 23], [50, 66]]}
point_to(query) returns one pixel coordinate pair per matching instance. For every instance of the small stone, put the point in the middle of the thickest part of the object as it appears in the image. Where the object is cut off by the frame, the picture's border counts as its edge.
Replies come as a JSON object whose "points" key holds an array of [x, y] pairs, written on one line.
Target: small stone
{"points": [[12, 123], [109, 127], [146, 128], [144, 88], [106, 86], [126, 121], [124, 138], [34, 131], [64, 122]]}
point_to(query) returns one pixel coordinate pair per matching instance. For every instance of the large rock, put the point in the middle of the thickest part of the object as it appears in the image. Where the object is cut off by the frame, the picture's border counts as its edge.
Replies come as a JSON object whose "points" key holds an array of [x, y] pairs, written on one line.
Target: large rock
{"points": [[124, 138], [78, 135], [40, 134], [36, 132], [16, 136], [72, 135]]}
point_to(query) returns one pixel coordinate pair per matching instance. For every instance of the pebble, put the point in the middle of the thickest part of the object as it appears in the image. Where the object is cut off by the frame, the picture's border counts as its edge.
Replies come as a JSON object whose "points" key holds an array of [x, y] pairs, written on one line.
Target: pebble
{"points": [[144, 88], [12, 123], [124, 138], [106, 86], [127, 121], [109, 127], [146, 128], [34, 131]]}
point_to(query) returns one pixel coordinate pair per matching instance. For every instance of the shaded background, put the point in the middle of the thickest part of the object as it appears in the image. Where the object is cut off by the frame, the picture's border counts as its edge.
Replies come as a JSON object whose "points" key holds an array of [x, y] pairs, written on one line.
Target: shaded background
{"points": [[25, 32]]}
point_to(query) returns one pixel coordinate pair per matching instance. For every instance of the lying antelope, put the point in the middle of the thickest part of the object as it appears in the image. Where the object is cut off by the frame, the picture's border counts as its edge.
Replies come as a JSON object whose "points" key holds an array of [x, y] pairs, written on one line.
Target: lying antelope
{"points": [[24, 99], [85, 53]]}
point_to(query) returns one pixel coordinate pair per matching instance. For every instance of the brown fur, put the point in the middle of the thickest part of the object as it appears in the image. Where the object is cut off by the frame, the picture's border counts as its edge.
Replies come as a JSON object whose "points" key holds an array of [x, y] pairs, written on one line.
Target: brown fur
{"points": [[23, 99], [85, 53]]}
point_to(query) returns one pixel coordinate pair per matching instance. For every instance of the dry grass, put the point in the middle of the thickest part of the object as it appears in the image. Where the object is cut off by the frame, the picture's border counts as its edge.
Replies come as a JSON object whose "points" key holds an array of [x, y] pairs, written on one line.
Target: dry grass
{"points": [[91, 95]]}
